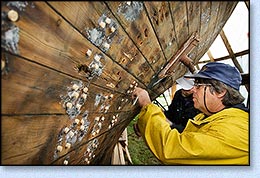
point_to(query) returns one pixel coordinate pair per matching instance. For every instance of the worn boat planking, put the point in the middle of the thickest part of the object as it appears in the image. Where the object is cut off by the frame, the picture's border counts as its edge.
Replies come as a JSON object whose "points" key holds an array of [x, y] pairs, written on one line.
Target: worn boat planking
{"points": [[47, 73]]}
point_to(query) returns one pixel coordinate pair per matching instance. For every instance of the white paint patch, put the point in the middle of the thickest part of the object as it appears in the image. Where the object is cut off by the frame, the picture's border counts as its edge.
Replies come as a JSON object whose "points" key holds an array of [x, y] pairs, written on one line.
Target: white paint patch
{"points": [[130, 11], [21, 5], [205, 17], [96, 36], [11, 39], [97, 99]]}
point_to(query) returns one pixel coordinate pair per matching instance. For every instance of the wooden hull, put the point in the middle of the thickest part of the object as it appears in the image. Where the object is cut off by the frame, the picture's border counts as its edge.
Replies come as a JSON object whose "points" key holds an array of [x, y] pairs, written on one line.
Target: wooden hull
{"points": [[68, 70]]}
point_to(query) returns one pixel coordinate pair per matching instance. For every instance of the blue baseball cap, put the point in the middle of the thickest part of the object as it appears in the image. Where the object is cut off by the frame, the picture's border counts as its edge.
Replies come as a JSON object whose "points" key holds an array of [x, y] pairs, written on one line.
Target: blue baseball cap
{"points": [[219, 71]]}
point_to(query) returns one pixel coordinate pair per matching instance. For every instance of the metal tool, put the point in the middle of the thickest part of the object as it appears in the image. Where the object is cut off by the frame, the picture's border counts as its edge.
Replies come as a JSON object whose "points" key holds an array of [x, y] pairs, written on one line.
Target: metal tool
{"points": [[154, 81], [135, 100], [181, 55]]}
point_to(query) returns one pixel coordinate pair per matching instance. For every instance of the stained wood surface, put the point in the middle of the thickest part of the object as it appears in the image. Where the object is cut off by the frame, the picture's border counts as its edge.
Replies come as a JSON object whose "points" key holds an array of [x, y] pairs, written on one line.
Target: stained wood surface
{"points": [[180, 19], [160, 16], [140, 31], [62, 104], [220, 15], [31, 89], [87, 18], [30, 139], [38, 97]]}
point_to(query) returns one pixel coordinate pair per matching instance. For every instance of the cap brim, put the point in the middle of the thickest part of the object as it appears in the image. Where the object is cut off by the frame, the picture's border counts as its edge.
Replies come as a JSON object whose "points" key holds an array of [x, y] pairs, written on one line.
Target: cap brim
{"points": [[197, 76]]}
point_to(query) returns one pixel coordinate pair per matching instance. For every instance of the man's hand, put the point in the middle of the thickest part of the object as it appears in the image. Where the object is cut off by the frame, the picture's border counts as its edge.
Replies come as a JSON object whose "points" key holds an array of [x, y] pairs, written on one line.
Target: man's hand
{"points": [[142, 95]]}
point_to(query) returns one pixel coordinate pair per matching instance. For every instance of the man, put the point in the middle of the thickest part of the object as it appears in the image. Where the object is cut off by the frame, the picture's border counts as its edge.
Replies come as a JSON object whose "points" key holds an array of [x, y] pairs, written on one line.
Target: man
{"points": [[181, 108], [218, 135]]}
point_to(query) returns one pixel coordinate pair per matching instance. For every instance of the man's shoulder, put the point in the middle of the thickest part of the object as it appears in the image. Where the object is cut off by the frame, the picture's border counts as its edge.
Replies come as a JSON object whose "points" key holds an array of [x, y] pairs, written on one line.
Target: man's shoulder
{"points": [[241, 106]]}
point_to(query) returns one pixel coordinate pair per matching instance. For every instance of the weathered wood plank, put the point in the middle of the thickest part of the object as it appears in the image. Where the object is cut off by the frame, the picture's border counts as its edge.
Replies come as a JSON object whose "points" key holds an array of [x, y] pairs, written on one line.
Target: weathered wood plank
{"points": [[27, 84], [193, 16], [179, 16], [96, 151], [29, 88], [208, 12], [208, 23], [160, 16], [220, 13], [50, 37], [28, 140], [205, 18], [135, 22], [121, 48], [122, 119]]}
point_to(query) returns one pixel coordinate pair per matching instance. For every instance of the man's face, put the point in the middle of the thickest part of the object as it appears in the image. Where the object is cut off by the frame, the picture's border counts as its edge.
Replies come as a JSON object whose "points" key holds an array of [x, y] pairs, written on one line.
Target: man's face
{"points": [[202, 98], [198, 97]]}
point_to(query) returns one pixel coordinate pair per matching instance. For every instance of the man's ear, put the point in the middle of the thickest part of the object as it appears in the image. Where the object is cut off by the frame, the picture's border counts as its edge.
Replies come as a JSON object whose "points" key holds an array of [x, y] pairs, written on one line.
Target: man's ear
{"points": [[222, 94]]}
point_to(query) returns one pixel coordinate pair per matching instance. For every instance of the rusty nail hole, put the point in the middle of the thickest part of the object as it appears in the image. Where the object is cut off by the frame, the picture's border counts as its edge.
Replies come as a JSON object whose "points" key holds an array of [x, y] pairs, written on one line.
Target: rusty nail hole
{"points": [[146, 32], [123, 60], [166, 14], [157, 22], [58, 22]]}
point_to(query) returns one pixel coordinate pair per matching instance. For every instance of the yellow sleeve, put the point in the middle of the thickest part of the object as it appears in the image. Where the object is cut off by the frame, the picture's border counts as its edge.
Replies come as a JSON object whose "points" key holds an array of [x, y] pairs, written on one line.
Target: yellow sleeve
{"points": [[155, 129], [190, 147]]}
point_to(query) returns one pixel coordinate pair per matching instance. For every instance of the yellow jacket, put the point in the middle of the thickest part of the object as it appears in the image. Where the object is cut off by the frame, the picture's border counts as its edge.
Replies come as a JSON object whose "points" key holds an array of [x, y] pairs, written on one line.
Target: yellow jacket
{"points": [[219, 139]]}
